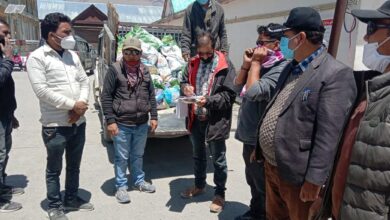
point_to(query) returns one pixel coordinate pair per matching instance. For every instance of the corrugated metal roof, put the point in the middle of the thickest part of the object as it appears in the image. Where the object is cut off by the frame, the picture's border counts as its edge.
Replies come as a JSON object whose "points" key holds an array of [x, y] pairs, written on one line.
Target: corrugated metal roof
{"points": [[127, 13], [125, 2]]}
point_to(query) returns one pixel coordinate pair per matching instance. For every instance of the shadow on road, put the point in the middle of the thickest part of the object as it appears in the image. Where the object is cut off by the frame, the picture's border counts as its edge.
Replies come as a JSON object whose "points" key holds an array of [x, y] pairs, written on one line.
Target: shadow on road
{"points": [[84, 194], [18, 180], [176, 203], [232, 209]]}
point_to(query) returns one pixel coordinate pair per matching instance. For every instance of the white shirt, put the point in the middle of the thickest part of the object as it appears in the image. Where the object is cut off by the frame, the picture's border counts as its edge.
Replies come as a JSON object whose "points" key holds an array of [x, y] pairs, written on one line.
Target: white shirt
{"points": [[58, 82]]}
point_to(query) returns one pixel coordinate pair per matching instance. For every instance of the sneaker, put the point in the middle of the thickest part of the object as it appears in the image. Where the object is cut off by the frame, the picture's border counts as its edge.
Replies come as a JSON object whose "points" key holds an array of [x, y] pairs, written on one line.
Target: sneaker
{"points": [[246, 216], [122, 196], [57, 214], [9, 206], [192, 192], [145, 187], [7, 190], [217, 204], [78, 204]]}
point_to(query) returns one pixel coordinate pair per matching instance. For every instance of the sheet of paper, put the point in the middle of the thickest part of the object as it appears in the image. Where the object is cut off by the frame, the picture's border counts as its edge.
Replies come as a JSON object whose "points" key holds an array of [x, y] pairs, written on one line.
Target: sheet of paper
{"points": [[181, 109]]}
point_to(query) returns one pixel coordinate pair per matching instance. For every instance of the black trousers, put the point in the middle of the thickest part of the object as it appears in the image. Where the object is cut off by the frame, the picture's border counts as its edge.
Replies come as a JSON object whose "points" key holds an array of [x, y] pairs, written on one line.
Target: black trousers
{"points": [[59, 141], [255, 177]]}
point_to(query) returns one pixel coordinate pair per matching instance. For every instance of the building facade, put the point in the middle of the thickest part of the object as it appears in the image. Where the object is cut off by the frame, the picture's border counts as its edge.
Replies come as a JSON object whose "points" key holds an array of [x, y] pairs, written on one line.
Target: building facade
{"points": [[24, 26], [89, 23]]}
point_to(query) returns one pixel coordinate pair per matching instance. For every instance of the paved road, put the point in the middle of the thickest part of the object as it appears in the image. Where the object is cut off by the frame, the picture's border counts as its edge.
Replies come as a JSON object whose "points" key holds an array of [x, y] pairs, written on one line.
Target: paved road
{"points": [[168, 164]]}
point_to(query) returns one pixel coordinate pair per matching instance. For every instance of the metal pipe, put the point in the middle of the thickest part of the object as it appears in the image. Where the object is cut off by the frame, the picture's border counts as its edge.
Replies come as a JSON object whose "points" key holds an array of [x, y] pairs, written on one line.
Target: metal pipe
{"points": [[338, 21]]}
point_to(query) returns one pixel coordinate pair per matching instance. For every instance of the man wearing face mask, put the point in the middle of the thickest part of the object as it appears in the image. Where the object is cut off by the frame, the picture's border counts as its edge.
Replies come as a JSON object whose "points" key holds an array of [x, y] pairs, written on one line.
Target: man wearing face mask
{"points": [[258, 76], [62, 87], [361, 180], [299, 132], [209, 75], [203, 15], [127, 100]]}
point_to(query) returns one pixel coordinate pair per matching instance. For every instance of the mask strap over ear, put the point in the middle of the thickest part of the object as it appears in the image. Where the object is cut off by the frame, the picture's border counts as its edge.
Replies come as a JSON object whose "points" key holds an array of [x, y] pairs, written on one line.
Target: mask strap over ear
{"points": [[293, 37]]}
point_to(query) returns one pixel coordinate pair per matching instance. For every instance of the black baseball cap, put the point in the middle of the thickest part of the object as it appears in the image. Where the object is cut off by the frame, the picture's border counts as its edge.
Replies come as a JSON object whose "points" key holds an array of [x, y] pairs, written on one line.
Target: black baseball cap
{"points": [[365, 16], [303, 19]]}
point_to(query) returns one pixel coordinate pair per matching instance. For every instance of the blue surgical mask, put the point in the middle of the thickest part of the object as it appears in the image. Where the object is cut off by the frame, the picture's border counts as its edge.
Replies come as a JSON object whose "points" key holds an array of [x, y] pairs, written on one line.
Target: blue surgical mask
{"points": [[286, 51], [202, 2]]}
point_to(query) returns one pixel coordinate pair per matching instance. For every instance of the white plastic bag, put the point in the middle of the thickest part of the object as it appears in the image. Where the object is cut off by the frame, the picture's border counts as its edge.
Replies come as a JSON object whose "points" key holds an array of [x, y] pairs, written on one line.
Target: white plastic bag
{"points": [[173, 56], [149, 54]]}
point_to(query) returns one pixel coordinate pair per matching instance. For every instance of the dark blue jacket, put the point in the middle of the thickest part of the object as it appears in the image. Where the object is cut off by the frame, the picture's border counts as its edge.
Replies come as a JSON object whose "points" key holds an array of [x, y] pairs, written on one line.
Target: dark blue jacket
{"points": [[7, 89]]}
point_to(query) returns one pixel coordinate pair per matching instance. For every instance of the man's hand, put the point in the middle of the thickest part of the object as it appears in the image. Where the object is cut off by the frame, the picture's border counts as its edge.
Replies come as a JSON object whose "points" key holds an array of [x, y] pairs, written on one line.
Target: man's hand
{"points": [[15, 123], [73, 117], [309, 192], [252, 157], [188, 90], [225, 53], [186, 57], [260, 54], [153, 125], [113, 129], [80, 107], [202, 101], [7, 49], [247, 58]]}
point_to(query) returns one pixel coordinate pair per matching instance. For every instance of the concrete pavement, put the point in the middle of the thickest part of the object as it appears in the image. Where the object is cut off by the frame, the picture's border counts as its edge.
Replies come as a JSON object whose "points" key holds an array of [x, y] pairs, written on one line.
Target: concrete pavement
{"points": [[168, 164]]}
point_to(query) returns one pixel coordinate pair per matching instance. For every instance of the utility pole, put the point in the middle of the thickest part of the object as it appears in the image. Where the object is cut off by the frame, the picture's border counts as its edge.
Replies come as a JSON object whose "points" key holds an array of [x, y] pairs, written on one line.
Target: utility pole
{"points": [[338, 21]]}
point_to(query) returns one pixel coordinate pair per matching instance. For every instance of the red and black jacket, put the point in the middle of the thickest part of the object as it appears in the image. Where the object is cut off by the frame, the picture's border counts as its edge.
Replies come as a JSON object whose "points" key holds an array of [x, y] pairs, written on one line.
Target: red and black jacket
{"points": [[220, 97]]}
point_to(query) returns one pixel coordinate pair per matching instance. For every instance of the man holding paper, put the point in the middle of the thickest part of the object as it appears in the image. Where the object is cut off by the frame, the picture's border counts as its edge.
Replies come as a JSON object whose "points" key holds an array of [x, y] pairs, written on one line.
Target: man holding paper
{"points": [[209, 79]]}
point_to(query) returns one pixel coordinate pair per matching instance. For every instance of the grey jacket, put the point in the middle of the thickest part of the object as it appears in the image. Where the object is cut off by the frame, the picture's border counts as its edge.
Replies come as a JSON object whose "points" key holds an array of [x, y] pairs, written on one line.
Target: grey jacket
{"points": [[367, 192], [310, 124], [255, 101], [195, 22]]}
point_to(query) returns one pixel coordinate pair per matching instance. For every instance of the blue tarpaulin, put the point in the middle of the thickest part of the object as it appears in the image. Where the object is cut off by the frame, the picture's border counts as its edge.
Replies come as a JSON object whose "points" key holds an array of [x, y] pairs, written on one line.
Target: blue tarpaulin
{"points": [[179, 5]]}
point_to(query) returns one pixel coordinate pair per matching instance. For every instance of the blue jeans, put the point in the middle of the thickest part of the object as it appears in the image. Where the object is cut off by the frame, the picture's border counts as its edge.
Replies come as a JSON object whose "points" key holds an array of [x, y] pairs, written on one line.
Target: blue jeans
{"points": [[5, 145], [129, 147], [60, 140], [218, 154]]}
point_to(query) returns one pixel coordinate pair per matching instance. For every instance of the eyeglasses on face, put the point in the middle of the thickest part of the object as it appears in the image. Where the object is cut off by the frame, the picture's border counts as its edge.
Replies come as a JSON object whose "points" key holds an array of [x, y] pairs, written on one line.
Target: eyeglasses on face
{"points": [[372, 27], [131, 52], [209, 54], [263, 42]]}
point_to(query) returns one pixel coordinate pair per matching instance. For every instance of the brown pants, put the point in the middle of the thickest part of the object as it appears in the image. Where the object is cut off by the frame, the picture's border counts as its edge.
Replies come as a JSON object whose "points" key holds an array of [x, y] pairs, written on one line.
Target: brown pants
{"points": [[282, 198]]}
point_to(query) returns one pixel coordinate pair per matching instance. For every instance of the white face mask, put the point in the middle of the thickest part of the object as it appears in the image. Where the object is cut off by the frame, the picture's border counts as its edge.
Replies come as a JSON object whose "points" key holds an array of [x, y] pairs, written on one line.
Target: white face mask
{"points": [[373, 60], [67, 43]]}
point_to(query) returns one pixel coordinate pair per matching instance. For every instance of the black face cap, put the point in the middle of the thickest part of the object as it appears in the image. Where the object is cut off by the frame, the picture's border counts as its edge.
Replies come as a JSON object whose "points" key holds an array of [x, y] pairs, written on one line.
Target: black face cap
{"points": [[365, 16], [303, 19]]}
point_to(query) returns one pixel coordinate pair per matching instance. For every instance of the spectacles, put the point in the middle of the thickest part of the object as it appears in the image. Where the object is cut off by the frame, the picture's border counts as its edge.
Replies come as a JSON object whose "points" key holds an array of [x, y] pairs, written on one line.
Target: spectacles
{"points": [[372, 27], [131, 52], [263, 42], [207, 54]]}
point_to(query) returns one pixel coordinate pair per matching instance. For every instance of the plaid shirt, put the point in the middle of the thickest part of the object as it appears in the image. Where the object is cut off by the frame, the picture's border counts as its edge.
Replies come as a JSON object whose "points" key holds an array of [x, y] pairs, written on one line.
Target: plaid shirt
{"points": [[304, 64], [203, 78]]}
